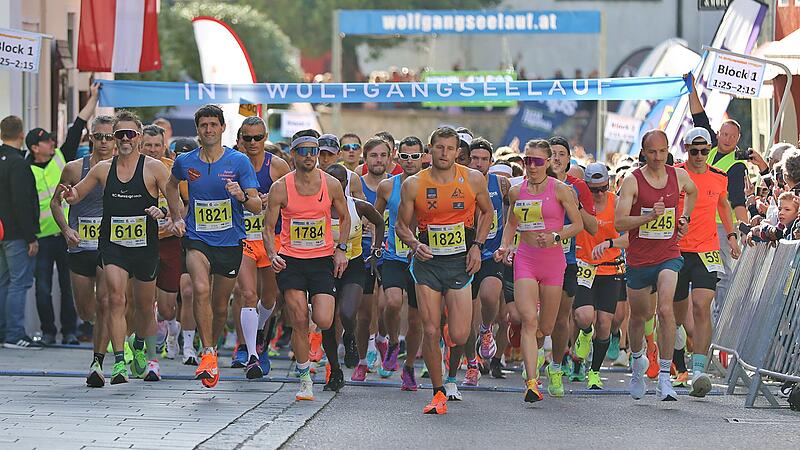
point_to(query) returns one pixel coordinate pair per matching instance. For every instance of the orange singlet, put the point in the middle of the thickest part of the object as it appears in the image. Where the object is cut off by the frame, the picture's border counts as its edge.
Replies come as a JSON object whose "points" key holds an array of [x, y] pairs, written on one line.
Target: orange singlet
{"points": [[445, 211], [605, 230], [306, 222]]}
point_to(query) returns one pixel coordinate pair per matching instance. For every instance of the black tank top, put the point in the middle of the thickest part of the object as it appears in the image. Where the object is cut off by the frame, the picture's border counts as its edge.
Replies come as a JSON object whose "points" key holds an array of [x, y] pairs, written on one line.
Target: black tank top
{"points": [[124, 221]]}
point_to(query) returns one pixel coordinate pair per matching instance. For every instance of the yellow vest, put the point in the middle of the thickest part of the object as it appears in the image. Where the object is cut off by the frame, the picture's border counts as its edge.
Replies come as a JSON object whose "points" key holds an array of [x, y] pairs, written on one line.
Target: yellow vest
{"points": [[47, 179], [724, 164]]}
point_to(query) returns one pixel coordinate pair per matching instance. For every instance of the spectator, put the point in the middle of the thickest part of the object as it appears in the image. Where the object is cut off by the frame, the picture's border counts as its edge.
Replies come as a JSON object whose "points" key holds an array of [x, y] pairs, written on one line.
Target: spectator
{"points": [[19, 214], [167, 127]]}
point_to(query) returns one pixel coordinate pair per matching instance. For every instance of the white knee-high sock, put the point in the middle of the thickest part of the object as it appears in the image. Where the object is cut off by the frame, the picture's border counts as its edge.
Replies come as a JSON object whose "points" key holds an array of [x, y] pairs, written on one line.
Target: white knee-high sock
{"points": [[249, 318], [264, 315], [173, 328]]}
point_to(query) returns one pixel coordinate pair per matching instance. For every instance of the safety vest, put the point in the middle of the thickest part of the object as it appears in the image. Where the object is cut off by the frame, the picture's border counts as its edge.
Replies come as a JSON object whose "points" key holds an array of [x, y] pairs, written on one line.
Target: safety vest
{"points": [[47, 179], [724, 164]]}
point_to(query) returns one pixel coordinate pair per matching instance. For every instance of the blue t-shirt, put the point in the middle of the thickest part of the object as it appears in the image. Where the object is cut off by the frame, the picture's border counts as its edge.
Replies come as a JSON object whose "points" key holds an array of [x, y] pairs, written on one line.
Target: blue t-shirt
{"points": [[495, 237], [214, 216]]}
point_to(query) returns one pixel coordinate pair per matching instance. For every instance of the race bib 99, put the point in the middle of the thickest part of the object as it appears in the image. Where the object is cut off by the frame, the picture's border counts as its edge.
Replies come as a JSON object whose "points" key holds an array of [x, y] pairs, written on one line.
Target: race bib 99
{"points": [[213, 215], [447, 239], [662, 227]]}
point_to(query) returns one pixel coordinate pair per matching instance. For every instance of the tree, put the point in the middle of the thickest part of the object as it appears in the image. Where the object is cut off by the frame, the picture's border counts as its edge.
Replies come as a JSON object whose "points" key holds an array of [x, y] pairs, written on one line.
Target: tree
{"points": [[308, 22]]}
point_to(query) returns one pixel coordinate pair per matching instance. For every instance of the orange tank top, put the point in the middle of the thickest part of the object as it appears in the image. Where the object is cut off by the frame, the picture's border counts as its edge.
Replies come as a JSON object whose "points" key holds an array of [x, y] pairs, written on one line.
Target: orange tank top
{"points": [[445, 204], [306, 222], [585, 242]]}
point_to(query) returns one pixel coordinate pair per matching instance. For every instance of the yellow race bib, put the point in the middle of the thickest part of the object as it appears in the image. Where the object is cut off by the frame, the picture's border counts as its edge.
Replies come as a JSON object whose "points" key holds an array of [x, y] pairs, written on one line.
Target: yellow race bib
{"points": [[212, 215], [129, 231], [712, 261], [493, 228], [447, 239], [529, 213], [253, 225], [89, 232], [162, 203], [566, 244], [586, 274], [661, 228], [307, 233]]}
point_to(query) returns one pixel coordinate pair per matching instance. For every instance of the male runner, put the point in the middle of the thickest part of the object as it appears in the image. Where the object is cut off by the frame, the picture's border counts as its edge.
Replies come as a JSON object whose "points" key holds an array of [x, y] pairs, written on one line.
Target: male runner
{"points": [[443, 199], [395, 275], [648, 211], [128, 241], [329, 155], [82, 233], [222, 183], [701, 253], [307, 262], [351, 151], [392, 168]]}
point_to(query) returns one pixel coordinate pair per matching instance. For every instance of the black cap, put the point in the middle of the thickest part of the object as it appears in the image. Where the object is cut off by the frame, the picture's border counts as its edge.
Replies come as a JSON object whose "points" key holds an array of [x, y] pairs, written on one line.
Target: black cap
{"points": [[37, 135], [183, 145]]}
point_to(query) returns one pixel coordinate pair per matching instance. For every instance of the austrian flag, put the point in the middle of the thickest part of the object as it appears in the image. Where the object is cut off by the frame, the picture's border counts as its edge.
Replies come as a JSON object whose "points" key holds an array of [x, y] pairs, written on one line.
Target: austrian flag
{"points": [[118, 36]]}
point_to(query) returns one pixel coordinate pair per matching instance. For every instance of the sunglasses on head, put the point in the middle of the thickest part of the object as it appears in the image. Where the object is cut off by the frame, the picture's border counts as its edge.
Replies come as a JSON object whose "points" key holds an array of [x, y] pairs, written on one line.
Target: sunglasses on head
{"points": [[534, 161], [598, 189], [411, 156], [257, 138], [307, 151], [126, 133], [328, 143], [103, 136], [696, 151], [351, 147]]}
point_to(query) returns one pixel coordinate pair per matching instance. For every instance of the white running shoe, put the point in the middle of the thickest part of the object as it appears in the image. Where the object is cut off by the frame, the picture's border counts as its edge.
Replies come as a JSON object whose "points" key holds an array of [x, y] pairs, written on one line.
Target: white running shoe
{"points": [[665, 391], [153, 372], [190, 356], [230, 341], [451, 390], [622, 359], [701, 385], [173, 349], [306, 391], [638, 384]]}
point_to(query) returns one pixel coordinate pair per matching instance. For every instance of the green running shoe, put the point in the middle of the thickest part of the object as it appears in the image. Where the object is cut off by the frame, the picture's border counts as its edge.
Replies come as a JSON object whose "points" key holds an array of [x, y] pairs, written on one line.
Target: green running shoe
{"points": [[556, 386], [139, 363], [584, 344], [593, 380], [119, 374], [96, 377], [540, 360], [128, 350], [613, 348], [578, 371]]}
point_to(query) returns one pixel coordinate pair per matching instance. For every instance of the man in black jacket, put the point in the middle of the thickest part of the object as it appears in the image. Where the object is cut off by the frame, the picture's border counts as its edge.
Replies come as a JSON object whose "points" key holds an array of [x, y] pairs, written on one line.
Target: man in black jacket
{"points": [[19, 213]]}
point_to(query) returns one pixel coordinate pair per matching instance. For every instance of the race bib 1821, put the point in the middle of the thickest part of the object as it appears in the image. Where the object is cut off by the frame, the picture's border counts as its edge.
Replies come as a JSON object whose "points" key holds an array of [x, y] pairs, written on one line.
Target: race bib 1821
{"points": [[213, 215]]}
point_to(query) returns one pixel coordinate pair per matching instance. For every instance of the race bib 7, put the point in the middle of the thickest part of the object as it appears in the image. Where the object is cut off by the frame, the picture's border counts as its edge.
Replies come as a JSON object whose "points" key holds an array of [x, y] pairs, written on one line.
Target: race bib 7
{"points": [[529, 213]]}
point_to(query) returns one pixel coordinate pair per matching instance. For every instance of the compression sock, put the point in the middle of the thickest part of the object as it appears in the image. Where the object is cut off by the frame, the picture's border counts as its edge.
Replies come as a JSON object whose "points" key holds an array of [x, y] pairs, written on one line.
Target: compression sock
{"points": [[330, 346], [150, 346], [698, 364], [600, 347], [99, 357], [249, 319]]}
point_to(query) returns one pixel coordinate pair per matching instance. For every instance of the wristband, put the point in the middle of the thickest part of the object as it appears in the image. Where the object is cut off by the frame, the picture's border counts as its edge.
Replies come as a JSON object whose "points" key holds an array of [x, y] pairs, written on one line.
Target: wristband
{"points": [[610, 243], [733, 235], [164, 211]]}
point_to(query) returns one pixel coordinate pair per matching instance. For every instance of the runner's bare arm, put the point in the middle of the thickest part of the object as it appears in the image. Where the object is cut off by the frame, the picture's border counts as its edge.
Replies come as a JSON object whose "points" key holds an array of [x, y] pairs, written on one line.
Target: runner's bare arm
{"points": [[512, 221], [253, 203], [589, 221], [569, 201], [383, 194], [369, 212], [173, 197], [687, 185], [68, 177], [275, 201], [623, 220], [405, 214], [725, 212], [340, 205], [622, 241], [74, 194], [478, 183], [355, 186], [281, 167]]}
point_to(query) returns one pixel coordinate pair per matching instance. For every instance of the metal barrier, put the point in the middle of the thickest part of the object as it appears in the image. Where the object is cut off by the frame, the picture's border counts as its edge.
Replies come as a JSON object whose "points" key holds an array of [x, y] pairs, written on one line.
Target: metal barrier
{"points": [[759, 325]]}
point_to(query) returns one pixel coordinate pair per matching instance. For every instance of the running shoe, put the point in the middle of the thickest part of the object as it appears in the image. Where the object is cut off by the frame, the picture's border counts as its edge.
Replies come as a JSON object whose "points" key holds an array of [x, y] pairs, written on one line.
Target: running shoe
{"points": [[593, 381], [681, 380], [96, 378], [556, 385], [263, 359], [638, 384], [701, 385], [532, 394], [306, 391], [383, 349], [472, 377], [665, 391], [540, 360], [230, 341], [189, 356], [335, 381], [253, 369], [622, 359], [350, 351], [139, 363], [153, 372], [239, 359], [173, 349], [208, 370], [316, 353], [438, 404], [372, 360], [424, 372], [451, 389], [496, 369], [652, 359], [127, 349], [613, 348], [390, 362], [583, 344], [360, 373], [578, 372], [488, 346], [119, 373], [408, 379]]}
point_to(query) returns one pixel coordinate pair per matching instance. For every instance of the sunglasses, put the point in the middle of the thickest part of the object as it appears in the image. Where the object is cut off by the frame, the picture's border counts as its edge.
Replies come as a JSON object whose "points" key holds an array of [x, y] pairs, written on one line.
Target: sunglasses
{"points": [[307, 151], [534, 161], [696, 151], [411, 156], [103, 136], [329, 143], [257, 138], [125, 133], [598, 189], [351, 147]]}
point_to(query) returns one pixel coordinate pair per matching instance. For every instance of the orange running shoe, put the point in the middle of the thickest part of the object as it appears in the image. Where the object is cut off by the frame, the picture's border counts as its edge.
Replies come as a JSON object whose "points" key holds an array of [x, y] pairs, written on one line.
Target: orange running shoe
{"points": [[652, 358], [208, 370], [327, 373], [532, 394], [681, 380], [438, 404], [316, 353]]}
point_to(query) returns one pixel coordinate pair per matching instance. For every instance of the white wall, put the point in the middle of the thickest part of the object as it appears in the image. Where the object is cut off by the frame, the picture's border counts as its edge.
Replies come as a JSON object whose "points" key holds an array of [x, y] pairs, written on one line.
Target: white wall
{"points": [[10, 82]]}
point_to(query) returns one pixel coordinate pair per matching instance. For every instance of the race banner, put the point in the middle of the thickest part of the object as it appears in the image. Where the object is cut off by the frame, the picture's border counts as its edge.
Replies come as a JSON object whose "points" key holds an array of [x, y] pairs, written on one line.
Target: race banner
{"points": [[469, 77], [119, 93], [405, 22]]}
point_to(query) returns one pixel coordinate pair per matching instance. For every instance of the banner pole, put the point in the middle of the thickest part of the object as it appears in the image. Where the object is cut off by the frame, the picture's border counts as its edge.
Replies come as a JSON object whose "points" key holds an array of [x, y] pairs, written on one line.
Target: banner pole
{"points": [[336, 62], [601, 104]]}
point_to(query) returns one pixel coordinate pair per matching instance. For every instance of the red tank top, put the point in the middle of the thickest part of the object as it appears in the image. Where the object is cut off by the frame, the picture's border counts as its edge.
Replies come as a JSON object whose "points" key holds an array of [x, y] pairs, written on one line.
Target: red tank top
{"points": [[306, 222], [655, 241]]}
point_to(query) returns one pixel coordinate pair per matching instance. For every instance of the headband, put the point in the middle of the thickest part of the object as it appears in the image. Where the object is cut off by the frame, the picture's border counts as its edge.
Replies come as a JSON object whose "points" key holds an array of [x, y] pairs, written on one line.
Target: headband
{"points": [[501, 168], [303, 140]]}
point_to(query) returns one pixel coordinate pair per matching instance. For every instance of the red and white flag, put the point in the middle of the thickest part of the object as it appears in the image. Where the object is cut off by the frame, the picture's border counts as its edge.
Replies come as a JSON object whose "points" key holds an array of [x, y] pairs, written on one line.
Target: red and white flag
{"points": [[118, 36]]}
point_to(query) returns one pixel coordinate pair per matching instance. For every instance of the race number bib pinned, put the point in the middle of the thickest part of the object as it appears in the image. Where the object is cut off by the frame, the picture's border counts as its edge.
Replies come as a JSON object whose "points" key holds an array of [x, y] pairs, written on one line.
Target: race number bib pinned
{"points": [[89, 232], [400, 248], [566, 245], [129, 231], [530, 216], [307, 233], [493, 228], [447, 239], [516, 239], [586, 273], [712, 261], [162, 203], [213, 215], [661, 228], [253, 225]]}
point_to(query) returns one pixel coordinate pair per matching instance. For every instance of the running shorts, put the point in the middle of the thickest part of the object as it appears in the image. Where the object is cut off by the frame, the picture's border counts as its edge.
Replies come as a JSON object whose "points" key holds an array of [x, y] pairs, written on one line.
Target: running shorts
{"points": [[313, 276], [84, 263], [224, 261], [489, 268], [355, 273], [442, 273], [141, 265], [604, 294], [694, 272], [254, 249], [647, 276], [396, 274], [170, 266], [570, 285]]}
